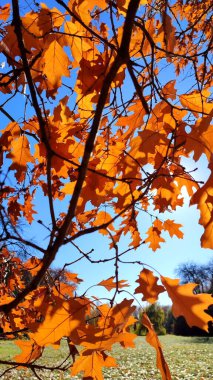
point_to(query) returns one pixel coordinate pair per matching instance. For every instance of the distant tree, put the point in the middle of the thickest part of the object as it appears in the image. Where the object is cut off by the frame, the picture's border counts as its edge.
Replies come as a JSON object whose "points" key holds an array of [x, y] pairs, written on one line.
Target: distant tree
{"points": [[201, 274], [169, 319], [156, 315], [181, 327]]}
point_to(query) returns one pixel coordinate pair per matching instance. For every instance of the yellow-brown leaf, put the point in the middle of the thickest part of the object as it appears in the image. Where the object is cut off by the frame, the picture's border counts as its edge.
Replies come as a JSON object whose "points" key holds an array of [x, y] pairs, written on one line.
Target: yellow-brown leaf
{"points": [[91, 363], [153, 340], [191, 306], [109, 284], [148, 286], [56, 64], [21, 156], [30, 351], [173, 228]]}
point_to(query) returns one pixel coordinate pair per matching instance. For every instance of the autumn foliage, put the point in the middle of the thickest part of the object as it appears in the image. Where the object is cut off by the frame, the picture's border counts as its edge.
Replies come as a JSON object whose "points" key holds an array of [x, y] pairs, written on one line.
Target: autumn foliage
{"points": [[101, 102]]}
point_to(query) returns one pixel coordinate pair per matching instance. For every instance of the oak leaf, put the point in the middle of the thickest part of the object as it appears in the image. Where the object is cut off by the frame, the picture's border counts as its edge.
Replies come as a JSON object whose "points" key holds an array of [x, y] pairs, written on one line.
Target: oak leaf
{"points": [[91, 363], [103, 217], [21, 156], [113, 327], [169, 32], [153, 340], [72, 277], [27, 207], [117, 317], [148, 286], [14, 209], [200, 139], [203, 198], [49, 19], [79, 46], [154, 238], [169, 90], [56, 63], [196, 102], [62, 318], [33, 265], [30, 351], [109, 284], [187, 304], [10, 133], [84, 8], [173, 228], [5, 12], [5, 299]]}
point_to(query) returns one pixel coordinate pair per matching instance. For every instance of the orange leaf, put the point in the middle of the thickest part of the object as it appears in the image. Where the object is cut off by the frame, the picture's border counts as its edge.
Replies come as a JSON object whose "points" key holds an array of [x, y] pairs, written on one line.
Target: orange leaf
{"points": [[56, 64], [123, 5], [33, 265], [196, 102], [14, 209], [120, 314], [173, 228], [169, 32], [109, 284], [11, 132], [153, 340], [72, 277], [169, 90], [5, 12], [91, 363], [61, 318], [27, 208], [154, 238], [101, 218], [30, 351], [204, 200], [191, 306], [113, 327], [78, 45], [6, 299], [21, 156], [148, 286]]}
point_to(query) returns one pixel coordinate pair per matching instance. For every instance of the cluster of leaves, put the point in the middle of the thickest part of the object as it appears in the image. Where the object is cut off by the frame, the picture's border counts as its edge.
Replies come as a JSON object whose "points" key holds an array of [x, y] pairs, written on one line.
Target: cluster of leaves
{"points": [[105, 155]]}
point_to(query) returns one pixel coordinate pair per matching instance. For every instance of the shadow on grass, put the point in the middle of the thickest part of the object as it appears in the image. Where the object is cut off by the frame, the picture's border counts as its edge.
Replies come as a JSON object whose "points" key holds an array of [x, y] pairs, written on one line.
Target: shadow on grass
{"points": [[202, 339]]}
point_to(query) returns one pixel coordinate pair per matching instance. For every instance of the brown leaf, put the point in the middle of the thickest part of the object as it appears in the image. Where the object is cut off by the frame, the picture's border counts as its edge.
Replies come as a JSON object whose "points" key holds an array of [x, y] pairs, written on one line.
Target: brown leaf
{"points": [[5, 12], [30, 351], [91, 363], [204, 200], [56, 64], [169, 90], [21, 156], [154, 238], [148, 286], [153, 340], [191, 306], [61, 318], [197, 102], [169, 32], [109, 284], [173, 228], [72, 277]]}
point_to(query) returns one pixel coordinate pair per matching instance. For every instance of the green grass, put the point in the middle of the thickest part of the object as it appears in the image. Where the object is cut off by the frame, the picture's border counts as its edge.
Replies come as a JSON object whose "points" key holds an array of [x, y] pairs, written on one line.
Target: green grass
{"points": [[188, 359]]}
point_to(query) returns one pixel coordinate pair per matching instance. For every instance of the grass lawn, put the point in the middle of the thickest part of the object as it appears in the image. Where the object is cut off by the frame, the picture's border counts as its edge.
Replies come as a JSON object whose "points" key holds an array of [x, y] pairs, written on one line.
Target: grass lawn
{"points": [[188, 359]]}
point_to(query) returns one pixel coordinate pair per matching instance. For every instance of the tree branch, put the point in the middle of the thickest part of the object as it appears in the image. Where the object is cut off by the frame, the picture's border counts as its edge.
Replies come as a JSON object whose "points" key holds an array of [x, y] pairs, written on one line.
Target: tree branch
{"points": [[122, 56]]}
